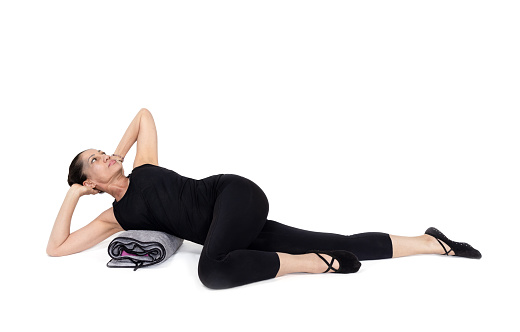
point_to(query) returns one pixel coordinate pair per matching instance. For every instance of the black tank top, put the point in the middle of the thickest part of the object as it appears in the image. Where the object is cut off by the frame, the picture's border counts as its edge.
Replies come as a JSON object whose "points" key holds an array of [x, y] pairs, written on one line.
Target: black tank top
{"points": [[162, 200]]}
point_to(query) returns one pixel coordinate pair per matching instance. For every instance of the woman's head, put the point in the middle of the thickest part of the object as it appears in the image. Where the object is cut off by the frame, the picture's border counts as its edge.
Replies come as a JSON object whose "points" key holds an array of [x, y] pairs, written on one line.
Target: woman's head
{"points": [[93, 168], [76, 174]]}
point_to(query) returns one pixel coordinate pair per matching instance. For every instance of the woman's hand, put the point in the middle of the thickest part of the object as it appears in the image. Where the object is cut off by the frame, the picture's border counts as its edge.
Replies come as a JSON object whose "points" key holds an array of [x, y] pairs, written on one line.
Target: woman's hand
{"points": [[84, 190], [116, 157]]}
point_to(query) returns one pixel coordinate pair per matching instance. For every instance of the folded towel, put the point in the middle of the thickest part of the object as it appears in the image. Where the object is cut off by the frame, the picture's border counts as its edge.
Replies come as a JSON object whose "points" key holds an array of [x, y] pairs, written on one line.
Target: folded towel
{"points": [[138, 248]]}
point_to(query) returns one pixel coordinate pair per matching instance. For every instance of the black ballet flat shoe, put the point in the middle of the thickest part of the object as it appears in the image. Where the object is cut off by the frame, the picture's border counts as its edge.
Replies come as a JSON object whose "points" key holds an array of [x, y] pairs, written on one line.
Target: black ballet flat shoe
{"points": [[348, 262], [459, 248]]}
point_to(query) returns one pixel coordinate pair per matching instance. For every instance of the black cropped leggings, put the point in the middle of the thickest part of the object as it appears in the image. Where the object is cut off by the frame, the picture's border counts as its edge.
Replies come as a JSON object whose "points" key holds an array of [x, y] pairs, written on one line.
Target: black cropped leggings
{"points": [[241, 243]]}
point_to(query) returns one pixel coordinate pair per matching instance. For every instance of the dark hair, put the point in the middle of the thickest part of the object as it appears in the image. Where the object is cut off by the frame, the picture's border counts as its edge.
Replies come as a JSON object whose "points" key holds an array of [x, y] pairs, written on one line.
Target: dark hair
{"points": [[76, 174]]}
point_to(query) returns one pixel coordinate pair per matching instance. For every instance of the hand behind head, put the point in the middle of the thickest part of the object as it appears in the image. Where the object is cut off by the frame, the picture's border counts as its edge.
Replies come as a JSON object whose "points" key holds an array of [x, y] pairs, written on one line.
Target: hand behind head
{"points": [[84, 190]]}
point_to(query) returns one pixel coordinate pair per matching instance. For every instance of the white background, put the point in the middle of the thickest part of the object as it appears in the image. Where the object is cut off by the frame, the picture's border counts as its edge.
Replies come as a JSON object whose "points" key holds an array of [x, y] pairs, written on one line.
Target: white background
{"points": [[387, 116]]}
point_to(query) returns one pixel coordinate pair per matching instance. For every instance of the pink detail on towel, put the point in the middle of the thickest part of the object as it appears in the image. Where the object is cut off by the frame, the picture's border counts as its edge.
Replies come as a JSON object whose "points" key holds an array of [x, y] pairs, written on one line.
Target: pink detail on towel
{"points": [[124, 253]]}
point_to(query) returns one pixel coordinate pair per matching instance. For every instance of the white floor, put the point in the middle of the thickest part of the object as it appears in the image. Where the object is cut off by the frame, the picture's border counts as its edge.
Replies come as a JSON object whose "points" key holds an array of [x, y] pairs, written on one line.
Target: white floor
{"points": [[352, 117], [425, 291]]}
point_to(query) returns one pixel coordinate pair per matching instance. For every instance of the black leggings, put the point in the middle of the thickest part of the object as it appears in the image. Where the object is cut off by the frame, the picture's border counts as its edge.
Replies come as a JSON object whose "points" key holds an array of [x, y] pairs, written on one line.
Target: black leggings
{"points": [[241, 243]]}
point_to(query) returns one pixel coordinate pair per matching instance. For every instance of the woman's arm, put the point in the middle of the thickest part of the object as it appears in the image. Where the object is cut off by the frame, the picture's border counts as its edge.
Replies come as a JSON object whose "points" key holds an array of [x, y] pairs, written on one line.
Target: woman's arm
{"points": [[141, 129], [62, 242]]}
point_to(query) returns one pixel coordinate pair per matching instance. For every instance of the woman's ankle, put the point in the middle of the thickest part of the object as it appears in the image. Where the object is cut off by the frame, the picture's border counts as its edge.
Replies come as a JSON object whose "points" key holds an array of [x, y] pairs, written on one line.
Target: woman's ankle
{"points": [[436, 247]]}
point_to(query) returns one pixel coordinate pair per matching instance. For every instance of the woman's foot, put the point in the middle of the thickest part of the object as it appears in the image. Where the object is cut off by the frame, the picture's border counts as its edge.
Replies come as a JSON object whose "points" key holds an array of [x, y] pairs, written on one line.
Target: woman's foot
{"points": [[451, 247], [319, 266], [309, 263], [337, 261]]}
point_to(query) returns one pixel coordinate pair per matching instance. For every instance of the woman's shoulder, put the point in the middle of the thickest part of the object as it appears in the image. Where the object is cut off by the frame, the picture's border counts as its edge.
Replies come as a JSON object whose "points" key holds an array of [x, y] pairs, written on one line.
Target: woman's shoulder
{"points": [[144, 166], [146, 172], [151, 168]]}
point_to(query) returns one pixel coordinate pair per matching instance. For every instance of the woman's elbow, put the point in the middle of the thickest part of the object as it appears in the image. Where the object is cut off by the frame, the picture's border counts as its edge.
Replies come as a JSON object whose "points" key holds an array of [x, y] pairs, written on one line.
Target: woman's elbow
{"points": [[51, 253], [55, 252]]}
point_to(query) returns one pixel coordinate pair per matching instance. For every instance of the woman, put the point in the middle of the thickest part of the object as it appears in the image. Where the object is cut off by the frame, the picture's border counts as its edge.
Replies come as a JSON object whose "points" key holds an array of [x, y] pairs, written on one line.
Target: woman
{"points": [[225, 213]]}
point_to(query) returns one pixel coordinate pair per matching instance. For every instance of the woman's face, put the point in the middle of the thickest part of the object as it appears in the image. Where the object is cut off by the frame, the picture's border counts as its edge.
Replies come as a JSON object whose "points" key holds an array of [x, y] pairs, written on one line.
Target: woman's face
{"points": [[99, 168]]}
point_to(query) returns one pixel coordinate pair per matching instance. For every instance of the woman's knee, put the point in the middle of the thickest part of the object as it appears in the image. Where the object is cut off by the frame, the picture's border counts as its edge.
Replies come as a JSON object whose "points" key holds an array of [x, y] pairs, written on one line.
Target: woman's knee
{"points": [[237, 268], [212, 273]]}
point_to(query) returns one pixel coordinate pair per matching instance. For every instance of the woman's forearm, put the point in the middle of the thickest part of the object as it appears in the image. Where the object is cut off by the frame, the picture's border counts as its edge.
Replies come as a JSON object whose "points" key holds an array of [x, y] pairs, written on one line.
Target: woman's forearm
{"points": [[130, 136], [61, 229]]}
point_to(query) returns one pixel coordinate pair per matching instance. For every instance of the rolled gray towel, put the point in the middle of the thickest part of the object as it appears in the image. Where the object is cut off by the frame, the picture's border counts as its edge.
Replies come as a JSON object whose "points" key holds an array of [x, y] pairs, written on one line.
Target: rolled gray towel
{"points": [[140, 248]]}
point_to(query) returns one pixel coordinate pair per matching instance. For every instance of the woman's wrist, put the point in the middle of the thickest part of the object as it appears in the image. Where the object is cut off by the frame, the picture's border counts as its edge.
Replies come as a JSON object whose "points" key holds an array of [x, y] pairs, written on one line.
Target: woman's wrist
{"points": [[77, 189], [116, 155]]}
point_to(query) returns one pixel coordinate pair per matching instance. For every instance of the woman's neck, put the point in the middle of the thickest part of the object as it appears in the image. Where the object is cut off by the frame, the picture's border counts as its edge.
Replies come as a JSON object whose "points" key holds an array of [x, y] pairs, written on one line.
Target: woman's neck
{"points": [[118, 187]]}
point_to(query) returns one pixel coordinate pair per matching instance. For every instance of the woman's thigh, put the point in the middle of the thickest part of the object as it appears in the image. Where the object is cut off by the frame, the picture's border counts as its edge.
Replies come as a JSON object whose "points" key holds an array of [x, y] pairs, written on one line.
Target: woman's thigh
{"points": [[239, 215]]}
